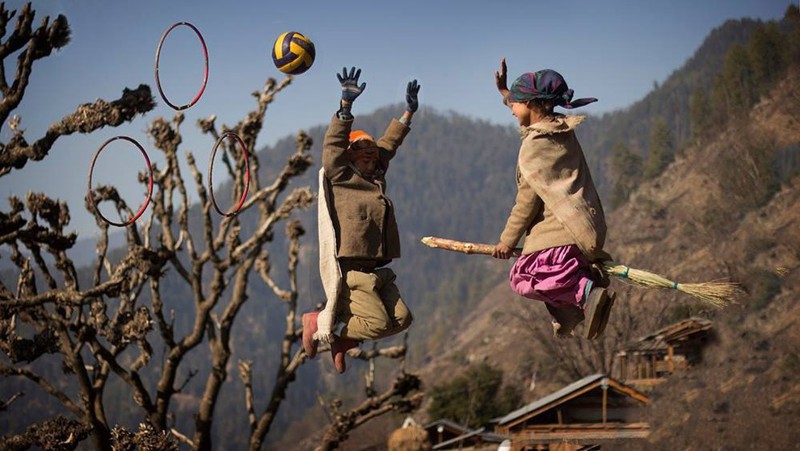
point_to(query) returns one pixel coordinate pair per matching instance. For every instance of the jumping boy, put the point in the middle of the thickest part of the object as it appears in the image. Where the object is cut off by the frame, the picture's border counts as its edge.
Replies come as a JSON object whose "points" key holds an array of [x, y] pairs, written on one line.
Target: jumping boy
{"points": [[358, 231]]}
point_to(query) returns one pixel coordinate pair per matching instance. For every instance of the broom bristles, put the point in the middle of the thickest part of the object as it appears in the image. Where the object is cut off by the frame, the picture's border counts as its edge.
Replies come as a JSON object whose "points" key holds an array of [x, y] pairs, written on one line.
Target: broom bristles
{"points": [[718, 294]]}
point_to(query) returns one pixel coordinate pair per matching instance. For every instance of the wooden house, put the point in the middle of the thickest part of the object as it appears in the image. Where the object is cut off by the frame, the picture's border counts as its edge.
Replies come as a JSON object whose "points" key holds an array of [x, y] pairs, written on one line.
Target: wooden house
{"points": [[650, 359], [443, 430], [581, 415], [476, 440], [445, 434]]}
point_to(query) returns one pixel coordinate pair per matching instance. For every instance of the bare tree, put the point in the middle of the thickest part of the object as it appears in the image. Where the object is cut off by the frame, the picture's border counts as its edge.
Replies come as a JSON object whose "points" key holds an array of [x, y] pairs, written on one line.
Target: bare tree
{"points": [[403, 396], [111, 328], [636, 313]]}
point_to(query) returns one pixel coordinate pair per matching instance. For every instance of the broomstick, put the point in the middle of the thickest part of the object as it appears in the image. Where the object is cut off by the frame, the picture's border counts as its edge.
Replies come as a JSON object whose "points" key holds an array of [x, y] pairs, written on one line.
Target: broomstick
{"points": [[717, 294]]}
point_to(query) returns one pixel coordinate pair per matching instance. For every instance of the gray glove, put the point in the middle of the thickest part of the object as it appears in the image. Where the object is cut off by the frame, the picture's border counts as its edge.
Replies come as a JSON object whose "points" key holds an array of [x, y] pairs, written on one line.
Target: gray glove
{"points": [[412, 103], [350, 88]]}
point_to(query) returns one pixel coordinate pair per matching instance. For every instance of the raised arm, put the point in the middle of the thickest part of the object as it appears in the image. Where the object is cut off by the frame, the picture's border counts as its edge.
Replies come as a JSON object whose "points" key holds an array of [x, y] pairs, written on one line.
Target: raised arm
{"points": [[337, 137], [398, 129], [501, 80]]}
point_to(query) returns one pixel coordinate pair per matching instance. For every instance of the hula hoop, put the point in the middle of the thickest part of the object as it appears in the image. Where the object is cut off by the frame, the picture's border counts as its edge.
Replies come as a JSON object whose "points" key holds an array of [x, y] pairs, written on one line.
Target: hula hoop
{"points": [[246, 175], [149, 184], [205, 75]]}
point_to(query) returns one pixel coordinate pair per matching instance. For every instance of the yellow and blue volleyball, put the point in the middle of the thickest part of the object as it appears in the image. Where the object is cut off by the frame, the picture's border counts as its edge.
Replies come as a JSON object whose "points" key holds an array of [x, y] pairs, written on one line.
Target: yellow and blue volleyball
{"points": [[293, 53]]}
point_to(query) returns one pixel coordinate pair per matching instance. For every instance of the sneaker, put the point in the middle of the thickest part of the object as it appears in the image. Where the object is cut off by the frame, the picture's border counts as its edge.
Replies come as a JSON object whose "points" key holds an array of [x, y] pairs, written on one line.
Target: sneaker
{"points": [[597, 308], [309, 329], [565, 318], [339, 348]]}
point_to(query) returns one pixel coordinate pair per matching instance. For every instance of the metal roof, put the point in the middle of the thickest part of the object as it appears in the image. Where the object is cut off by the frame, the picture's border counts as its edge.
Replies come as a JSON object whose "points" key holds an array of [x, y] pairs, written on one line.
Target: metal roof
{"points": [[552, 397], [485, 436], [448, 423]]}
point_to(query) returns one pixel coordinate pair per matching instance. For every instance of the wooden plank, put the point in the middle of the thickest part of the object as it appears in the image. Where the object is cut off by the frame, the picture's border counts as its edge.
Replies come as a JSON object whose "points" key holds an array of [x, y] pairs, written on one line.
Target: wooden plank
{"points": [[653, 365], [602, 434], [591, 426], [605, 404], [670, 355], [629, 391]]}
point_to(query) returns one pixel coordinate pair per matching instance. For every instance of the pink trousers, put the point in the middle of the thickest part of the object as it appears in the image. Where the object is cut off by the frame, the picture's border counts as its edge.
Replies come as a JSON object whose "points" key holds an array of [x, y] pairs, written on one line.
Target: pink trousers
{"points": [[557, 275]]}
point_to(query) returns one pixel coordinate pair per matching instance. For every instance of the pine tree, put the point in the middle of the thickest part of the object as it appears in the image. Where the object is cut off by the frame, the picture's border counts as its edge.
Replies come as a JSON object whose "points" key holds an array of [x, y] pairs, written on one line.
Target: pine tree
{"points": [[661, 151], [792, 13], [736, 81], [626, 170], [701, 113], [793, 39], [767, 53]]}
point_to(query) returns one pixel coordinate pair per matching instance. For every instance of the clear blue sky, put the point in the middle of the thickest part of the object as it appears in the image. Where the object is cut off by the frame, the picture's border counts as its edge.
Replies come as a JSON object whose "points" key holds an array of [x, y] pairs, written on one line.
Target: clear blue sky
{"points": [[613, 50]]}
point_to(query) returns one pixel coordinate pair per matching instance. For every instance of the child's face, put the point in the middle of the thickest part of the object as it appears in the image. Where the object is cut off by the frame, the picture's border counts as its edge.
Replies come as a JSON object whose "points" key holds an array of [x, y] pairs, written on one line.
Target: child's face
{"points": [[522, 112], [364, 156]]}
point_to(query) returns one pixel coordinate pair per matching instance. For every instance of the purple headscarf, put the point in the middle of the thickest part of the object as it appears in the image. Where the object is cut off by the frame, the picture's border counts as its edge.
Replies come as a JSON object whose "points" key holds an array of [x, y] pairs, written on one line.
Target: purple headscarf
{"points": [[545, 84]]}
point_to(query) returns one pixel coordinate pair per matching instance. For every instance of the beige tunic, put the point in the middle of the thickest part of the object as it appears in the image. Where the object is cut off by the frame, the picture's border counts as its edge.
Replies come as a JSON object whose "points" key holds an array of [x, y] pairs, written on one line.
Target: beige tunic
{"points": [[557, 203]]}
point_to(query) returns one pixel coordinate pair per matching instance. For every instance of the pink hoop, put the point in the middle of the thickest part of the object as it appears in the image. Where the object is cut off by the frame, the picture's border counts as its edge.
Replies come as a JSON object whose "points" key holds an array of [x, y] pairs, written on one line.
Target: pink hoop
{"points": [[149, 184], [205, 75], [246, 175]]}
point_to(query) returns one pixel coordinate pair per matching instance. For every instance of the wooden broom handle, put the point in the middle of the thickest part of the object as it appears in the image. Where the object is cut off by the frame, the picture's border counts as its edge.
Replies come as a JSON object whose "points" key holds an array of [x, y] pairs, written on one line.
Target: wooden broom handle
{"points": [[463, 246]]}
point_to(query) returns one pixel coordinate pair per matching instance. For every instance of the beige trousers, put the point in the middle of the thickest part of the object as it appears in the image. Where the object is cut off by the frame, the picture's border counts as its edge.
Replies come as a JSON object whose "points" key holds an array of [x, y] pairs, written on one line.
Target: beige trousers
{"points": [[370, 305]]}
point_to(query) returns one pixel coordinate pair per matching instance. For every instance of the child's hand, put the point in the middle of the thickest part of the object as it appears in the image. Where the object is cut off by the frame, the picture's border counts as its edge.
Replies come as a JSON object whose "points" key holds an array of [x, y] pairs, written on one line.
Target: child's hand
{"points": [[501, 78], [412, 103], [350, 88], [501, 250]]}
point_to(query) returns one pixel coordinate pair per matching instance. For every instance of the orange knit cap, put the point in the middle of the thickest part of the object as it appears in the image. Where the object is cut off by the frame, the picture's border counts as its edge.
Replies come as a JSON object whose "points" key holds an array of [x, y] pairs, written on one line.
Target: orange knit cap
{"points": [[358, 135]]}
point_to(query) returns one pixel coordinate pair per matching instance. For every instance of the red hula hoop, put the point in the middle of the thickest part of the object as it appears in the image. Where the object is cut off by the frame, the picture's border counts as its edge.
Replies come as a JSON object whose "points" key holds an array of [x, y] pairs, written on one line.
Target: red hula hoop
{"points": [[205, 75], [238, 207], [149, 183]]}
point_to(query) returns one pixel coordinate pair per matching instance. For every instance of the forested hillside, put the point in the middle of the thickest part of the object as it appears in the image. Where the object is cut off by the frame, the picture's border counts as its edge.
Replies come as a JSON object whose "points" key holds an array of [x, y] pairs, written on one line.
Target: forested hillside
{"points": [[669, 105]]}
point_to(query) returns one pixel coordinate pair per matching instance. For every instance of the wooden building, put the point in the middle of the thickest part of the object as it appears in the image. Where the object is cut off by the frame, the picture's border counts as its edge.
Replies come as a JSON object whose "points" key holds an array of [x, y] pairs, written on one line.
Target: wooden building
{"points": [[446, 434], [476, 440], [580, 416], [443, 430], [647, 361]]}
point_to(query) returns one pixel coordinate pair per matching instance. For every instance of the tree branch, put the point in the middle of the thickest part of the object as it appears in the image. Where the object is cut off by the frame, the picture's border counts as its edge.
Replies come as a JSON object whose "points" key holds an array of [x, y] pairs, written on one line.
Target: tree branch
{"points": [[402, 397], [40, 43], [6, 370], [246, 374], [5, 404], [86, 119]]}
